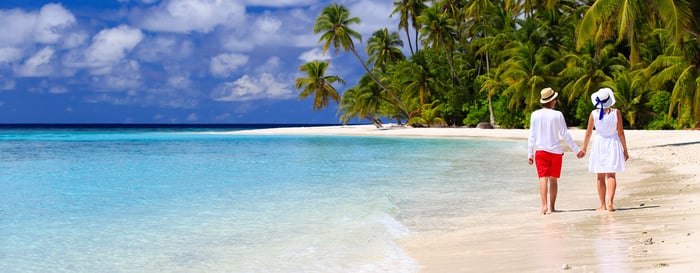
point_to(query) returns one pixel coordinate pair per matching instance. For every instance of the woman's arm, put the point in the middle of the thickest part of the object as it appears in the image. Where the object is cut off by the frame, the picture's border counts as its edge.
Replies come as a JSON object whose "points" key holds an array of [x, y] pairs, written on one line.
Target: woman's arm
{"points": [[589, 132], [621, 134]]}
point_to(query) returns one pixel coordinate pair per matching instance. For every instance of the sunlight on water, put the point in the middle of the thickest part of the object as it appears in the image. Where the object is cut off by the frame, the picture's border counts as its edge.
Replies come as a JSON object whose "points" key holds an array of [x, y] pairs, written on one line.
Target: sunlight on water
{"points": [[141, 201]]}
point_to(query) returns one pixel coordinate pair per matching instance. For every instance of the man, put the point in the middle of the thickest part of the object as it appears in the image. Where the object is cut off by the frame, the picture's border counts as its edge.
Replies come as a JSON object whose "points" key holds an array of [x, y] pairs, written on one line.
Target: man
{"points": [[544, 146]]}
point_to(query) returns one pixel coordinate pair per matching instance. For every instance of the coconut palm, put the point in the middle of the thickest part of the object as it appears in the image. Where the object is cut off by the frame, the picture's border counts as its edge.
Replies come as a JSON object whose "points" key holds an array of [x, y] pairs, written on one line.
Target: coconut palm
{"points": [[383, 48], [525, 72], [362, 101], [682, 69], [428, 116], [438, 32], [334, 23], [418, 81], [409, 10], [605, 16], [318, 84]]}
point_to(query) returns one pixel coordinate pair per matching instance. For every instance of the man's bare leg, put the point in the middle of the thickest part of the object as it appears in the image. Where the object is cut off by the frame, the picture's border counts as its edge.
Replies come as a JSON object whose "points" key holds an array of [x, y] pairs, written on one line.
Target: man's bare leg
{"points": [[553, 189], [543, 194]]}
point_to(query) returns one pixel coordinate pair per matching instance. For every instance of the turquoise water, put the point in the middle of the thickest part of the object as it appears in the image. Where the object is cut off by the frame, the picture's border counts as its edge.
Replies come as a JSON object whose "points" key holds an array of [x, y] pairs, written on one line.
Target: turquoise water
{"points": [[192, 201]]}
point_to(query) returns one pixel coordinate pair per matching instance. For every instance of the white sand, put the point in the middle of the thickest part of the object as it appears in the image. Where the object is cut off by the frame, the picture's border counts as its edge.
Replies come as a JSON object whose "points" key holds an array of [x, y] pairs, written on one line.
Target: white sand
{"points": [[655, 229]]}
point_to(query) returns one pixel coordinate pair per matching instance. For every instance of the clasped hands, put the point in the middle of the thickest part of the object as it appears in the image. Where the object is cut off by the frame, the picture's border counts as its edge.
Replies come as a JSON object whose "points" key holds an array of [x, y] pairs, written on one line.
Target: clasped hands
{"points": [[581, 154]]}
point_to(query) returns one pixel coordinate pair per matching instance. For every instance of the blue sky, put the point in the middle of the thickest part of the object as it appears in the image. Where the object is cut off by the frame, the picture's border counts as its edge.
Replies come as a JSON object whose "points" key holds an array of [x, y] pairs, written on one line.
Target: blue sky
{"points": [[168, 61]]}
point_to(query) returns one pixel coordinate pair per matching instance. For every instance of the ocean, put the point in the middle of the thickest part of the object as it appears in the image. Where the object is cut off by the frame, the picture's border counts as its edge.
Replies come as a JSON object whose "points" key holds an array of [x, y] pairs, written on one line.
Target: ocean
{"points": [[195, 199]]}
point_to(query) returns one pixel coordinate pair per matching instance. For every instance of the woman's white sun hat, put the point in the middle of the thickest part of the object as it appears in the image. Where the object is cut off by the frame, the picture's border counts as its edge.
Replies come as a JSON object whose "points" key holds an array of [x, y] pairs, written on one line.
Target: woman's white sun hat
{"points": [[602, 99], [547, 95]]}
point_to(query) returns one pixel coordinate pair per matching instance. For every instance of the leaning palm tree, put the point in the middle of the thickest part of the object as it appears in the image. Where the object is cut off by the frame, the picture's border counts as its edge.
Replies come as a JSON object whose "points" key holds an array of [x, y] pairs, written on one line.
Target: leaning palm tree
{"points": [[318, 84], [362, 101], [334, 23]]}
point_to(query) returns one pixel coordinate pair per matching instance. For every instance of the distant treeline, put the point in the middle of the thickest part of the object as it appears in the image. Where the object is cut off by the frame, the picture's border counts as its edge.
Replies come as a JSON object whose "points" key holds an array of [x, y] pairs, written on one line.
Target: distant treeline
{"points": [[477, 61]]}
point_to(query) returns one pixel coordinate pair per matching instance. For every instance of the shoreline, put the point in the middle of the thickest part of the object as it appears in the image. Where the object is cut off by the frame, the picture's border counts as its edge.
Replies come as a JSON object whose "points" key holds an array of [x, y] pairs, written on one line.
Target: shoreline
{"points": [[655, 228]]}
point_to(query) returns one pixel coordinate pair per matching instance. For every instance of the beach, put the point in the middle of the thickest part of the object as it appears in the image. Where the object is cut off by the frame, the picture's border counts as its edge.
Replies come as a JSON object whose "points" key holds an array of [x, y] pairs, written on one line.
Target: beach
{"points": [[654, 229]]}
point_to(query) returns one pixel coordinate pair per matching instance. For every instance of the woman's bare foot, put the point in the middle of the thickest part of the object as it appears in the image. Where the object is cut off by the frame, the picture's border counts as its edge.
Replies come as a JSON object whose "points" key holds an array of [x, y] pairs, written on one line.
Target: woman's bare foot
{"points": [[611, 208], [601, 208], [544, 210]]}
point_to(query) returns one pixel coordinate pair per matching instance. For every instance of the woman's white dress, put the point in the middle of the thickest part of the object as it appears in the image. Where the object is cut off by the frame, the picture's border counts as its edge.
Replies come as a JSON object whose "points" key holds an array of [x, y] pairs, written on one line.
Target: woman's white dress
{"points": [[607, 154]]}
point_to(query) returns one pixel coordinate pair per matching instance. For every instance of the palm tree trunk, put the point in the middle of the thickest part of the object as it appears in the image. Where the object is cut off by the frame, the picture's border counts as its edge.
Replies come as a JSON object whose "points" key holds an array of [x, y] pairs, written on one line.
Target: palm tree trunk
{"points": [[397, 102], [408, 38], [491, 117]]}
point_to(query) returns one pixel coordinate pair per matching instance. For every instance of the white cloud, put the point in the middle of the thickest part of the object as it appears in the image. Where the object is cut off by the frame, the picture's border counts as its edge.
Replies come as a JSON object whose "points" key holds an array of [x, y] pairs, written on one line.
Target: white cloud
{"points": [[47, 26], [179, 82], [166, 48], [272, 65], [374, 15], [266, 30], [314, 54], [58, 90], [110, 46], [248, 88], [38, 65], [74, 39], [225, 64], [51, 22], [7, 85], [184, 16], [21, 24], [10, 54], [279, 3], [120, 77], [192, 117]]}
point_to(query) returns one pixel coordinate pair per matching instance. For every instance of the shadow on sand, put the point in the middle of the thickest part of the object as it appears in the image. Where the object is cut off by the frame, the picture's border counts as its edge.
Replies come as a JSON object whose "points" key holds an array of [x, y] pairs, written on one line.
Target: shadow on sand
{"points": [[617, 209]]}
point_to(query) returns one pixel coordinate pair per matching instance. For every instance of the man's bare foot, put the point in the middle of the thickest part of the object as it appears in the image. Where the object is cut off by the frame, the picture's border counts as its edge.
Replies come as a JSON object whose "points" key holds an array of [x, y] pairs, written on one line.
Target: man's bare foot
{"points": [[553, 210], [601, 209]]}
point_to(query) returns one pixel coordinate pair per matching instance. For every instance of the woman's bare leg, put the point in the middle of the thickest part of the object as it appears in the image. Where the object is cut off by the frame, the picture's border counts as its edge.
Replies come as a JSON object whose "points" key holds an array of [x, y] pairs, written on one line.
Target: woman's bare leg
{"points": [[600, 182], [612, 185]]}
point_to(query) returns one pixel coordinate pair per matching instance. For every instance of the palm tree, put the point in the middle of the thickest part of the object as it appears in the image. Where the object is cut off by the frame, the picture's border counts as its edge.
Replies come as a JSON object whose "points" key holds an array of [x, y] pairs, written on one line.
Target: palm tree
{"points": [[428, 116], [439, 31], [363, 101], [334, 23], [383, 48], [625, 16], [682, 69], [318, 84], [584, 73], [409, 10], [417, 78], [525, 72]]}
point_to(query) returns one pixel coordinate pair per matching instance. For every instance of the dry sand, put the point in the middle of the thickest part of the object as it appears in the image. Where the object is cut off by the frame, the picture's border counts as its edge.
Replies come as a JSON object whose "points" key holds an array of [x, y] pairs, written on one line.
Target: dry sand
{"points": [[655, 229]]}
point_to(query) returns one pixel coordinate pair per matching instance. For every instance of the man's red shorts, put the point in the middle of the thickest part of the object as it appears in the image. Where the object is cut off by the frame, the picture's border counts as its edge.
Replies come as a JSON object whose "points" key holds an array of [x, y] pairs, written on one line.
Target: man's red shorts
{"points": [[548, 164]]}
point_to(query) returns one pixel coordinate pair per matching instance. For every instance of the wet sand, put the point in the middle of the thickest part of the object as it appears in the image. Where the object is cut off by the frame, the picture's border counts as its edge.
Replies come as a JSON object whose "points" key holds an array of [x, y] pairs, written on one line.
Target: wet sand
{"points": [[654, 229]]}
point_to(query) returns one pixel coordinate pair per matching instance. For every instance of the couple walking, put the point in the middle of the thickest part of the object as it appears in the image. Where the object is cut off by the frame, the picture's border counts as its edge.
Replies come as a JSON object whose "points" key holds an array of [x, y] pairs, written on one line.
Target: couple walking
{"points": [[608, 153]]}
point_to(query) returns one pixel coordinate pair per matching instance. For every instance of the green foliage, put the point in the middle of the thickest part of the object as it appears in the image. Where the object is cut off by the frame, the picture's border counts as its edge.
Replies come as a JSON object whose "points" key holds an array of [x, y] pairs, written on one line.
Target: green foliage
{"points": [[428, 116], [475, 113], [487, 60]]}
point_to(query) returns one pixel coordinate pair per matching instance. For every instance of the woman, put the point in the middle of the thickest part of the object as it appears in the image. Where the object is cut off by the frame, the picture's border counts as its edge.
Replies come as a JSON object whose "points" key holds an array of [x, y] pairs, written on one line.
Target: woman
{"points": [[609, 150]]}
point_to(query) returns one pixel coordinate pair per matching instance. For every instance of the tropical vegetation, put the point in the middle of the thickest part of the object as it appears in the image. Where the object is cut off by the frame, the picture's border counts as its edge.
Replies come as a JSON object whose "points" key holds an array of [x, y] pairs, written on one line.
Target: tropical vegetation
{"points": [[472, 61]]}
